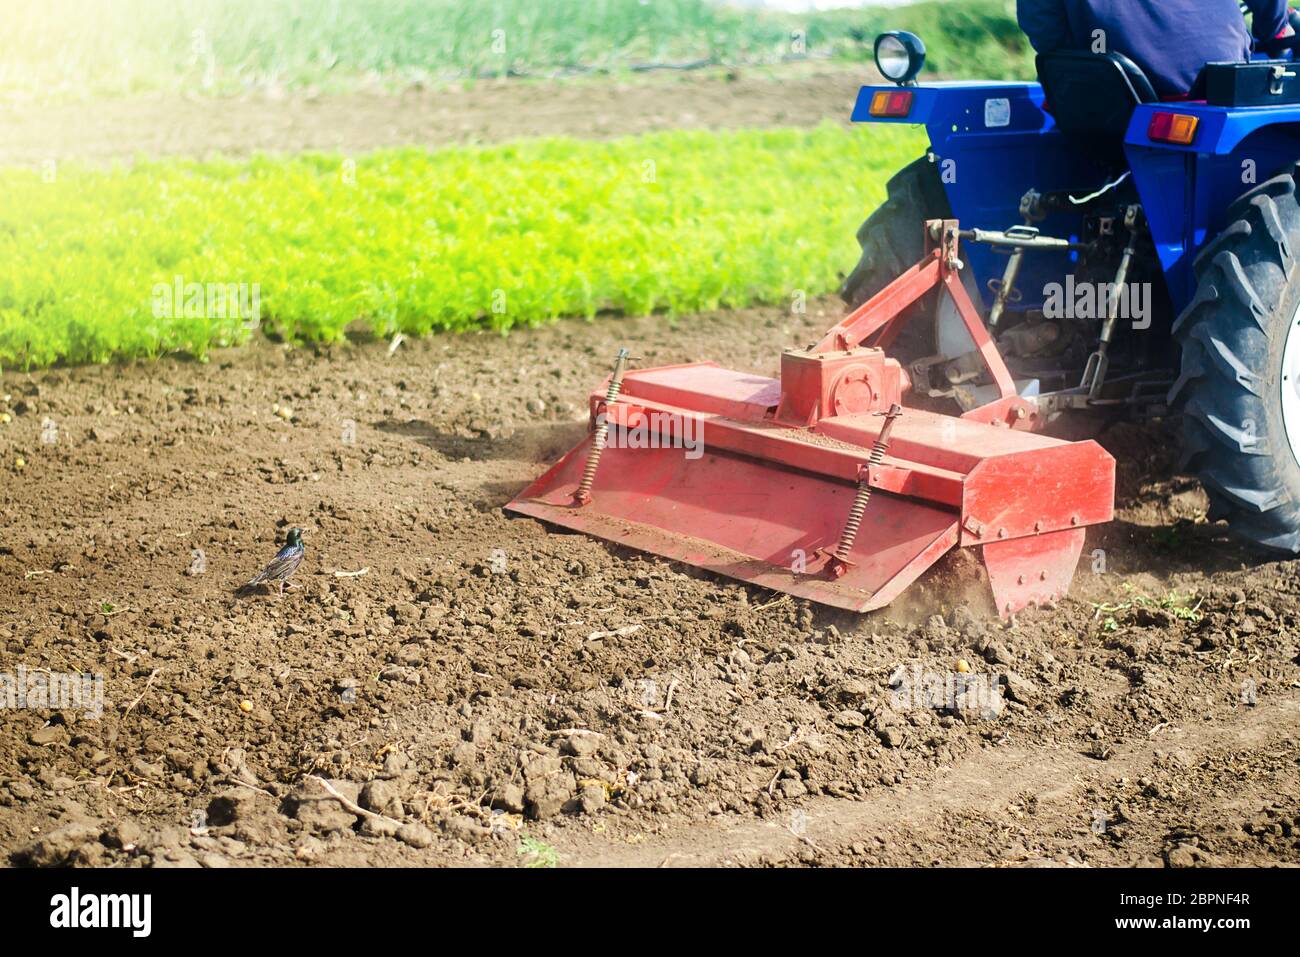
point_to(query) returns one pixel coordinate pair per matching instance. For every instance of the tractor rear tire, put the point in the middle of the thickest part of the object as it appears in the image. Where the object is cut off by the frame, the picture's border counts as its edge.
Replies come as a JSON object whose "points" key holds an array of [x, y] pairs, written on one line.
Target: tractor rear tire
{"points": [[1237, 437], [893, 241]]}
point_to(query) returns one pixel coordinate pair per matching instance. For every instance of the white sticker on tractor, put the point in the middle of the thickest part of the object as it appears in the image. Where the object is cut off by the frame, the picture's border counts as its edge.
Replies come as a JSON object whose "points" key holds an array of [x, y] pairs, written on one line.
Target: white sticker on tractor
{"points": [[997, 112]]}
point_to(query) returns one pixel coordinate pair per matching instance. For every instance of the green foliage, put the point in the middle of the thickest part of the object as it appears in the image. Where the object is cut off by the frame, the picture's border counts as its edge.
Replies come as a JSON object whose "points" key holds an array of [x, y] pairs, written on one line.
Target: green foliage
{"points": [[76, 48], [418, 241], [537, 853], [1179, 605], [976, 39]]}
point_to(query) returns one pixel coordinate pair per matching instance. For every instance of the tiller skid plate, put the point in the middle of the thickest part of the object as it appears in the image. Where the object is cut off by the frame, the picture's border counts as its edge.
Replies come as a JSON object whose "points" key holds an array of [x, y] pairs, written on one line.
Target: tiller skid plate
{"points": [[817, 484]]}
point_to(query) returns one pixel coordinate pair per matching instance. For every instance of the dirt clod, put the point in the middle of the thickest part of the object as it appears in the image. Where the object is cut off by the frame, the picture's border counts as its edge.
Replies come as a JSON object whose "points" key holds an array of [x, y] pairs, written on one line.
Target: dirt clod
{"points": [[415, 834], [60, 846]]}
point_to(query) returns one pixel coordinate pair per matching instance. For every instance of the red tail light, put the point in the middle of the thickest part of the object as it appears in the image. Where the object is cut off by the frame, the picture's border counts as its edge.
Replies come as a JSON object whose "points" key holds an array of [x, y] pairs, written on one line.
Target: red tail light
{"points": [[1177, 128], [891, 103]]}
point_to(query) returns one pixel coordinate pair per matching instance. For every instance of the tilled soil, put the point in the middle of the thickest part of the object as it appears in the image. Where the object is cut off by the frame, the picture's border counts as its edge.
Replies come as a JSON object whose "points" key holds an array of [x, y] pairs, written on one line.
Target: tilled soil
{"points": [[485, 112], [483, 690], [477, 689]]}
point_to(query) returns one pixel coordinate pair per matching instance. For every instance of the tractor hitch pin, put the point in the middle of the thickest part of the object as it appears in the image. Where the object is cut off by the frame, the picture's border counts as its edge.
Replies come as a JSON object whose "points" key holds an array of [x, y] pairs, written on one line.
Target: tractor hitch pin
{"points": [[839, 560], [1006, 290], [582, 495], [1094, 373]]}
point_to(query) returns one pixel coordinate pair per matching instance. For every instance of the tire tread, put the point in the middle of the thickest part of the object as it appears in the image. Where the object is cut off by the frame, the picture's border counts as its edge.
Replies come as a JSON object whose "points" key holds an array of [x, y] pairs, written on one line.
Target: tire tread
{"points": [[1225, 334]]}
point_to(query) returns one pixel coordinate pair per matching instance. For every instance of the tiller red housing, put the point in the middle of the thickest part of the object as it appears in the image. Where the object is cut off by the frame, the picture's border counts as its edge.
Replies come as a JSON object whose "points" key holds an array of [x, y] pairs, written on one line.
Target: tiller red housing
{"points": [[818, 484]]}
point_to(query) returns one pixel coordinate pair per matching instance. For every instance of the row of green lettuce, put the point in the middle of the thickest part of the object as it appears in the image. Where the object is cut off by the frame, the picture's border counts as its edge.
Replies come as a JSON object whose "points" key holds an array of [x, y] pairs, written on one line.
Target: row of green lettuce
{"points": [[184, 255]]}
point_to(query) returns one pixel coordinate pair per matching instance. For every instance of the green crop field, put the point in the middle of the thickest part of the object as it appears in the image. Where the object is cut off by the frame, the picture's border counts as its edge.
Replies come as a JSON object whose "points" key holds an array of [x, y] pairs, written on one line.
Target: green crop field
{"points": [[184, 256], [72, 48]]}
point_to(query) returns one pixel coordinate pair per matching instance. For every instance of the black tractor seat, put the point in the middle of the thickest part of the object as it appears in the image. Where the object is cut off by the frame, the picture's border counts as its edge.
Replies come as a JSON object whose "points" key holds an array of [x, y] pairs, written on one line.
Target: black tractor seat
{"points": [[1092, 97]]}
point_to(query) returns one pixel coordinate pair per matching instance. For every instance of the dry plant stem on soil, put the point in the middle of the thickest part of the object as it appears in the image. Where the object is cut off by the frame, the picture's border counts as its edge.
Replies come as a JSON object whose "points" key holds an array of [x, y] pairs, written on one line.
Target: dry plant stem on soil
{"points": [[140, 696], [350, 805]]}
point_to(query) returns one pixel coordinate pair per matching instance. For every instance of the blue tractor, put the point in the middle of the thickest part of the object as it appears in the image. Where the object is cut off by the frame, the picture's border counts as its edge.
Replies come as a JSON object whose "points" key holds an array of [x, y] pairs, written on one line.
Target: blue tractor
{"points": [[1130, 257]]}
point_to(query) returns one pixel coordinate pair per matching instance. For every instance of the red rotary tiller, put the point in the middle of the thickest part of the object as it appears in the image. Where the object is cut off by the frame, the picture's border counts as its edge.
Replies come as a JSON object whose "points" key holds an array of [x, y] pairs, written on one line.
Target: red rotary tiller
{"points": [[777, 486]]}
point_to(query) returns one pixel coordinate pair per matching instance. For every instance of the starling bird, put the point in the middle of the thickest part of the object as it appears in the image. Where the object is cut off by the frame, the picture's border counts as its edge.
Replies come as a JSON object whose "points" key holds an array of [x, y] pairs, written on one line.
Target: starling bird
{"points": [[283, 565]]}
